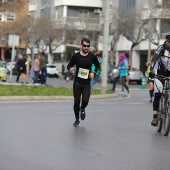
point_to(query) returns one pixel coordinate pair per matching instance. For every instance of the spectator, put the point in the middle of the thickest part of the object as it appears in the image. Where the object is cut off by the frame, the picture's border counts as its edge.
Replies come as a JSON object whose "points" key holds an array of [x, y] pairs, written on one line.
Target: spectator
{"points": [[22, 68], [63, 68], [123, 68], [97, 75], [17, 68], [43, 67], [36, 68]]}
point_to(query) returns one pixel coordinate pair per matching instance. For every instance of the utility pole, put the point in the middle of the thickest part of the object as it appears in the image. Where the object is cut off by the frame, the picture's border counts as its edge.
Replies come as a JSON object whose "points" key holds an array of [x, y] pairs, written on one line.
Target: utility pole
{"points": [[106, 7]]}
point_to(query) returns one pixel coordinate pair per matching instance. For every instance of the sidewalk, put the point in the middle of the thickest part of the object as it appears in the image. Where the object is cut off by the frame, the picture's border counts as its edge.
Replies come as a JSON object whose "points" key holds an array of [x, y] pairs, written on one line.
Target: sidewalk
{"points": [[45, 98]]}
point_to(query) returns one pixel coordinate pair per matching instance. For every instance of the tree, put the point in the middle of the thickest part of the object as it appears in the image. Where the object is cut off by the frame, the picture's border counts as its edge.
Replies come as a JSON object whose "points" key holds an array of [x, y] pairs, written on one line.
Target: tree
{"points": [[158, 21], [132, 27]]}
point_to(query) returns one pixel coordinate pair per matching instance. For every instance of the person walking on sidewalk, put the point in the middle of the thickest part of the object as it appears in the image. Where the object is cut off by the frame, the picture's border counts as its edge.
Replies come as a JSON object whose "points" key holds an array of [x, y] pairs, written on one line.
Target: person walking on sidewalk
{"points": [[43, 62], [150, 80], [123, 69], [36, 67], [83, 61], [97, 75], [17, 68]]}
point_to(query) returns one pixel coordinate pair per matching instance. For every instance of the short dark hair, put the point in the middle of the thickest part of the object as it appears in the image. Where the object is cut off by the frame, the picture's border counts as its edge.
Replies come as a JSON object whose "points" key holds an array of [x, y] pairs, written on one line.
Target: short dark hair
{"points": [[86, 40]]}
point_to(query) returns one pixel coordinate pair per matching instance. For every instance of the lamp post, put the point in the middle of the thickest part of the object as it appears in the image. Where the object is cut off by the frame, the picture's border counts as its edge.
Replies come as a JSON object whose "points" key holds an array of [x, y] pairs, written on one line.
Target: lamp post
{"points": [[106, 5]]}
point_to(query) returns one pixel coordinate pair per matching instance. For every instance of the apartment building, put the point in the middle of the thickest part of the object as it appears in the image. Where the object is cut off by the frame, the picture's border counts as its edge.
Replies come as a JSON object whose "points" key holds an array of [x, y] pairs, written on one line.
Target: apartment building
{"points": [[77, 17], [11, 12]]}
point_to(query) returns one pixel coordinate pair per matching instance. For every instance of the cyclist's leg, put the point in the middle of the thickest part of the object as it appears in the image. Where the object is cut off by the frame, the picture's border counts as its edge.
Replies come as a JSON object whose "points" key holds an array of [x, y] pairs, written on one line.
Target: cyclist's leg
{"points": [[151, 89], [158, 87]]}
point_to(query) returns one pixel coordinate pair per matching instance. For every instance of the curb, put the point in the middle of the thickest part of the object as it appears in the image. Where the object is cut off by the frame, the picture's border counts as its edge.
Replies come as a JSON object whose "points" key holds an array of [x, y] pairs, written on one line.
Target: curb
{"points": [[45, 98]]}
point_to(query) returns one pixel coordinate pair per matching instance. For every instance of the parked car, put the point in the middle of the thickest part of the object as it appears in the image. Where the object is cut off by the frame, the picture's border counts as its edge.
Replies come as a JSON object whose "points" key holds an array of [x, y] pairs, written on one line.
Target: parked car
{"points": [[11, 67], [3, 64], [3, 72], [52, 70], [135, 75]]}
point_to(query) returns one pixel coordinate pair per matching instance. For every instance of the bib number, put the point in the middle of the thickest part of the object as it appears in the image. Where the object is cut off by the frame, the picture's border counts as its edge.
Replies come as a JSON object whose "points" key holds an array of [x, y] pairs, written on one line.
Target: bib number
{"points": [[83, 73]]}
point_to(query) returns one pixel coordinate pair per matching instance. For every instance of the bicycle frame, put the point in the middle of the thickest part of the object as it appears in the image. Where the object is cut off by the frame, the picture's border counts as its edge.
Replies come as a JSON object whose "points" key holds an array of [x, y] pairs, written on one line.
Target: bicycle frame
{"points": [[164, 107]]}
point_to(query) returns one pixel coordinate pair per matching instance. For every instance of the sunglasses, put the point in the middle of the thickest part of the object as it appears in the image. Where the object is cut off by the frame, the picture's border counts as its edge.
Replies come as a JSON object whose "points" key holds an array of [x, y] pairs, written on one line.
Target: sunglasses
{"points": [[86, 46]]}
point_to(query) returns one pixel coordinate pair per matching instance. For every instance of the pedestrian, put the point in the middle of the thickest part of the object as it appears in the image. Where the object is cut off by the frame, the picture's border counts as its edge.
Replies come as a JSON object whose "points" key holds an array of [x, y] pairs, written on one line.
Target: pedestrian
{"points": [[127, 78], [27, 64], [63, 69], [36, 68], [83, 61], [97, 75], [43, 62], [123, 68], [19, 57], [150, 80], [22, 68]]}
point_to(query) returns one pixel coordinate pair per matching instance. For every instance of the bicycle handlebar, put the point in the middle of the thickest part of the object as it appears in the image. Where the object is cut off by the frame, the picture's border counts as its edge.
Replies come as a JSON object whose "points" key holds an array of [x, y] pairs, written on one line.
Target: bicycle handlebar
{"points": [[162, 77]]}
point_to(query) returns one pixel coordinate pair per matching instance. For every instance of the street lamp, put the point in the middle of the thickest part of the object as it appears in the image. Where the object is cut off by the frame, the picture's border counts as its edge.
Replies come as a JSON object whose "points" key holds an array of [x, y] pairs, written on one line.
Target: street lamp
{"points": [[106, 4]]}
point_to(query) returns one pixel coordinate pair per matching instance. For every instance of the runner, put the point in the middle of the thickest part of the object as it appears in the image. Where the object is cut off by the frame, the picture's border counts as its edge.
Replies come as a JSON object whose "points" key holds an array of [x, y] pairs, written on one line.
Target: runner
{"points": [[81, 86]]}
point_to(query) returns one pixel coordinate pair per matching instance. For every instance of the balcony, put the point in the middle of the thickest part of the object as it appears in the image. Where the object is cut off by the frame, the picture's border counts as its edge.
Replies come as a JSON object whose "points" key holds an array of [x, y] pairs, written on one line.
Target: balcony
{"points": [[90, 24]]}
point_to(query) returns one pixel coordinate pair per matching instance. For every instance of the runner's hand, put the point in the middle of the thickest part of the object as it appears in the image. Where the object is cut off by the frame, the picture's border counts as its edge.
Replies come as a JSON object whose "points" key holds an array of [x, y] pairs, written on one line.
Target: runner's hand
{"points": [[72, 69]]}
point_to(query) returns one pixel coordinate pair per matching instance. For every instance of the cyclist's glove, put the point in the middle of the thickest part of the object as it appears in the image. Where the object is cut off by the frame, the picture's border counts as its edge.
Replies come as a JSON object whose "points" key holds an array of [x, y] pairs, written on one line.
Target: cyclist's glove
{"points": [[152, 74]]}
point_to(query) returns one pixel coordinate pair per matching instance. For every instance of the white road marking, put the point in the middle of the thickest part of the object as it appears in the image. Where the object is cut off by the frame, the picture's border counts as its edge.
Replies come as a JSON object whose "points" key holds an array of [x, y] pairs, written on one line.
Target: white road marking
{"points": [[136, 103]]}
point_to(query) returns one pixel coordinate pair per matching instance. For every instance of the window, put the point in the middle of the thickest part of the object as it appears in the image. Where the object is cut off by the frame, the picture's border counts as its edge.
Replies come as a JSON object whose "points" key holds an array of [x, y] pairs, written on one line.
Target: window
{"points": [[1, 16], [83, 13], [10, 16], [7, 16], [2, 1], [10, 0]]}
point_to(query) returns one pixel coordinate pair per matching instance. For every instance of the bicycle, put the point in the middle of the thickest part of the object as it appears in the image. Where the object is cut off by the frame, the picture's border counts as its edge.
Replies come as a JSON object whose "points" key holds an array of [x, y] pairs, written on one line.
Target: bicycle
{"points": [[164, 108]]}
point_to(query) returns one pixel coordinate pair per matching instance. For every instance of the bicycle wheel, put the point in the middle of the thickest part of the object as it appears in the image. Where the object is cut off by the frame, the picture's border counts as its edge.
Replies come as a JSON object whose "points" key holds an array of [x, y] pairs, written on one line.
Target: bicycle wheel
{"points": [[159, 118], [166, 117]]}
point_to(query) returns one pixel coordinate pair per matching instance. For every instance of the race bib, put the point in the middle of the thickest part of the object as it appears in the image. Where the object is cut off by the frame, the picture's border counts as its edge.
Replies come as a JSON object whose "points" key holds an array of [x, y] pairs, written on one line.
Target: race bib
{"points": [[83, 73]]}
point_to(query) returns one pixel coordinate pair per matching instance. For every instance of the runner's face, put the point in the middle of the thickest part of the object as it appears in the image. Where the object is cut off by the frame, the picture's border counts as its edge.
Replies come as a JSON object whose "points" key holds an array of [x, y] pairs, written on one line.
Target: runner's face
{"points": [[85, 47]]}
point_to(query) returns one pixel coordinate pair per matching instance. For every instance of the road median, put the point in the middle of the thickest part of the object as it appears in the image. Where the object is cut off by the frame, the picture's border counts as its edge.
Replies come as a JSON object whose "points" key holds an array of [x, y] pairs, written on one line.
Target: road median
{"points": [[45, 98]]}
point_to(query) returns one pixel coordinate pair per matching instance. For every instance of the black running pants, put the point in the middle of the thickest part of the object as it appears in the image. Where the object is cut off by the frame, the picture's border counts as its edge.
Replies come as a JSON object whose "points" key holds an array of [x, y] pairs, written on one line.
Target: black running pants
{"points": [[80, 91]]}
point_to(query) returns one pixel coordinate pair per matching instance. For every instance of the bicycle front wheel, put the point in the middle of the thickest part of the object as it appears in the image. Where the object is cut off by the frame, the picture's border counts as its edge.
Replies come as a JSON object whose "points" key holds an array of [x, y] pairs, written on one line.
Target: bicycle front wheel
{"points": [[166, 117], [159, 125]]}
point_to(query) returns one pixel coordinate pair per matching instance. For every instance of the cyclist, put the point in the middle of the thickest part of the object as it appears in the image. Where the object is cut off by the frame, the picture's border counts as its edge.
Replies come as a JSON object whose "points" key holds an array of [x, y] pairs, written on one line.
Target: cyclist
{"points": [[160, 66]]}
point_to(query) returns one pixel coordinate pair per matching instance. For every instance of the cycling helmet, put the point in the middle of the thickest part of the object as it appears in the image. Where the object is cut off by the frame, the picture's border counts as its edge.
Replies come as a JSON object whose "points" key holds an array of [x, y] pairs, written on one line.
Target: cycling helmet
{"points": [[167, 37]]}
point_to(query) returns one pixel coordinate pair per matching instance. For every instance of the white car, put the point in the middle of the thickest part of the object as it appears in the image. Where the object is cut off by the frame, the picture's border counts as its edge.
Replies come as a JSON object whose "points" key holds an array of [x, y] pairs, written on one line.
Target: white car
{"points": [[52, 70], [10, 67]]}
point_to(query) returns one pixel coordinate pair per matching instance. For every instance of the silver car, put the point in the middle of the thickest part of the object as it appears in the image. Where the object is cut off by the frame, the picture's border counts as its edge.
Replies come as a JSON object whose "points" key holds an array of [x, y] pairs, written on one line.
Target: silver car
{"points": [[135, 75]]}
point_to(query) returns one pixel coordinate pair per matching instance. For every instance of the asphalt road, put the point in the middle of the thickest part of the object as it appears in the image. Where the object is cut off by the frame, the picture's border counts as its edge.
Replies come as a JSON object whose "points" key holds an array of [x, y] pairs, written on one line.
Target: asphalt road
{"points": [[116, 135]]}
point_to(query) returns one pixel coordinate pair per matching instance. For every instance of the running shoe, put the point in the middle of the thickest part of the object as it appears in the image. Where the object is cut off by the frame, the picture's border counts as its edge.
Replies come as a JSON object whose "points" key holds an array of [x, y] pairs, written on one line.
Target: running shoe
{"points": [[154, 122], [151, 99], [76, 123], [83, 114]]}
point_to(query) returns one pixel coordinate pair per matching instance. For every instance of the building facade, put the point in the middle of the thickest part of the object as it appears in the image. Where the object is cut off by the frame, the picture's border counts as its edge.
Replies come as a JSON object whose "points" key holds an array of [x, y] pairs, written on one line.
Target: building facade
{"points": [[12, 12], [76, 18], [155, 13]]}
